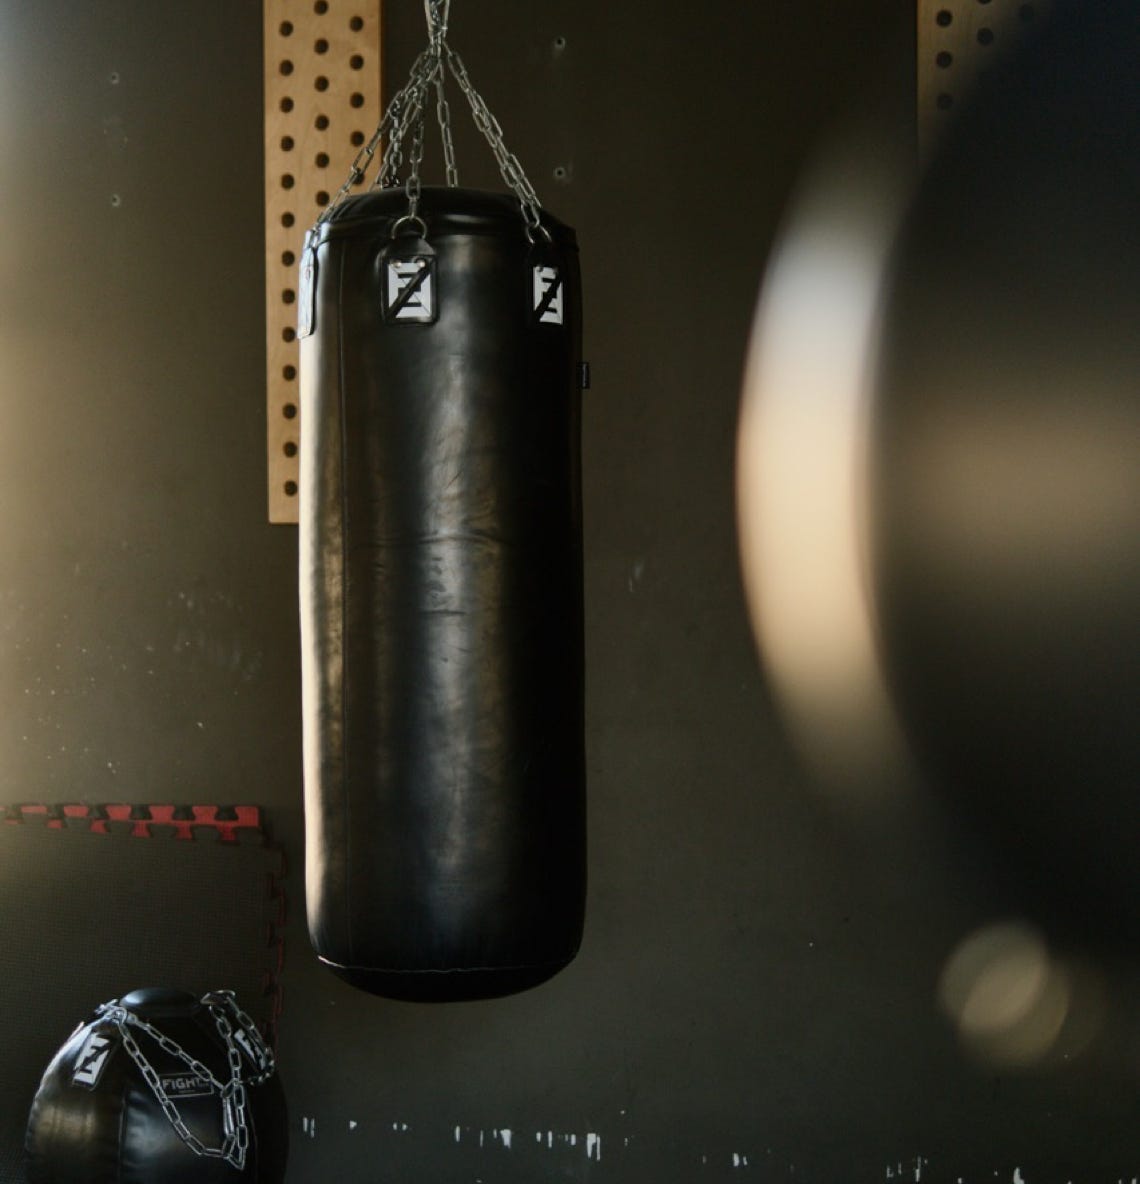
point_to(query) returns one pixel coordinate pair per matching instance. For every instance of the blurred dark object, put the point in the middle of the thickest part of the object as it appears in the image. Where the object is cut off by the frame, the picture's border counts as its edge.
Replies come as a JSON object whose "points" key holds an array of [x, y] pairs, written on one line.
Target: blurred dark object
{"points": [[1004, 484]]}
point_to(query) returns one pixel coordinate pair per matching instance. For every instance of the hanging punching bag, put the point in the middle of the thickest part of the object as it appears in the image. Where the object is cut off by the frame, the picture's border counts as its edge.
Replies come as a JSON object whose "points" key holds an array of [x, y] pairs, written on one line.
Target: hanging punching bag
{"points": [[441, 586]]}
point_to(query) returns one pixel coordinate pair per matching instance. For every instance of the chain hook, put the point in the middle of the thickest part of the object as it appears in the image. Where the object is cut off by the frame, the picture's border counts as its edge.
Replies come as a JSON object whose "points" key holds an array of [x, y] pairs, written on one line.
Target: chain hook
{"points": [[437, 14]]}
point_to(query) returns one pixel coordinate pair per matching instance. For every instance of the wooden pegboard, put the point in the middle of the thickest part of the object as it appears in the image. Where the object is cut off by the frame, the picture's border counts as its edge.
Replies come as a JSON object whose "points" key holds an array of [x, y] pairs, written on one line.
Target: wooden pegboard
{"points": [[957, 41], [322, 100]]}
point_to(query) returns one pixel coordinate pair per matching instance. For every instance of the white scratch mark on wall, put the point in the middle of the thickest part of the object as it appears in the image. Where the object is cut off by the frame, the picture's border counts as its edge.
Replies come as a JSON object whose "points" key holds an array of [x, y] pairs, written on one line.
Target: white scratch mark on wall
{"points": [[352, 1124], [309, 1126], [1017, 1176], [458, 1133], [594, 1146], [505, 1136]]}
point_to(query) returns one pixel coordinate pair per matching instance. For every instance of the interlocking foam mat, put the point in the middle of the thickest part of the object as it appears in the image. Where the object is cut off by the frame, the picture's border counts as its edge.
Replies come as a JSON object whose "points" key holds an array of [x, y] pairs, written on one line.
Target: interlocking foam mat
{"points": [[96, 901]]}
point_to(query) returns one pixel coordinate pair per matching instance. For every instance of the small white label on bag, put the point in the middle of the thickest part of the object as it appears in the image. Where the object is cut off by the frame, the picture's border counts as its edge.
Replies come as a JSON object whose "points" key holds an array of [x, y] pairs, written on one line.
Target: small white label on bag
{"points": [[547, 295], [409, 294], [92, 1060]]}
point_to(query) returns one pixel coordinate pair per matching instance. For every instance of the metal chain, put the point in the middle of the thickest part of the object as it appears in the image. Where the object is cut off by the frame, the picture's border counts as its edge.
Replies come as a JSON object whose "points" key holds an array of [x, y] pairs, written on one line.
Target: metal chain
{"points": [[509, 167], [406, 112], [443, 114], [226, 1013]]}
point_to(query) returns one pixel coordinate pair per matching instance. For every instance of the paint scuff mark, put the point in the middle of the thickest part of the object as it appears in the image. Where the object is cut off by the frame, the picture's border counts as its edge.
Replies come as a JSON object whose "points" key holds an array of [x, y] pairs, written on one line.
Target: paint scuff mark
{"points": [[636, 572], [309, 1126]]}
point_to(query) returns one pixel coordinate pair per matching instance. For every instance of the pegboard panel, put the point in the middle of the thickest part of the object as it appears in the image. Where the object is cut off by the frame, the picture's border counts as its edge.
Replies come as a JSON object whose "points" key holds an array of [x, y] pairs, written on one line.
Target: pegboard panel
{"points": [[958, 40], [322, 101]]}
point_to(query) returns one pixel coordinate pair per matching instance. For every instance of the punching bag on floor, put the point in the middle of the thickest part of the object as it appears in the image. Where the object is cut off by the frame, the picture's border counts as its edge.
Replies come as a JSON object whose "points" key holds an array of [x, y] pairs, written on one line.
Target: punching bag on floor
{"points": [[160, 1087], [441, 589]]}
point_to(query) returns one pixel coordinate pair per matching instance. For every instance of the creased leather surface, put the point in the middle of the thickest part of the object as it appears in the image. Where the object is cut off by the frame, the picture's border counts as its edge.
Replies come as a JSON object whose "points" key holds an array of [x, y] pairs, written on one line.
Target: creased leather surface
{"points": [[441, 606]]}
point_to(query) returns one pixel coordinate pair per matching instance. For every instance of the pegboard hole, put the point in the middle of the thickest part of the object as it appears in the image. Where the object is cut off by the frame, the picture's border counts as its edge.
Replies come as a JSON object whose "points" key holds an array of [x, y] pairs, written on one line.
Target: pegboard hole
{"points": [[356, 24], [286, 143], [321, 46], [322, 198], [290, 448], [290, 488], [289, 373], [944, 60], [288, 258], [356, 61], [287, 181], [321, 7], [944, 18], [288, 296], [289, 411], [287, 219], [286, 104], [321, 123], [322, 160], [322, 83], [985, 36], [286, 67], [285, 28], [357, 138], [357, 100], [288, 334]]}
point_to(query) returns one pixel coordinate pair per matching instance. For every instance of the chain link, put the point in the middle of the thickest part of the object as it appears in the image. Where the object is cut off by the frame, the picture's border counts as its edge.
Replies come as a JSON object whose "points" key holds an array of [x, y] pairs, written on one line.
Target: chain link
{"points": [[239, 1034], [509, 167], [406, 112]]}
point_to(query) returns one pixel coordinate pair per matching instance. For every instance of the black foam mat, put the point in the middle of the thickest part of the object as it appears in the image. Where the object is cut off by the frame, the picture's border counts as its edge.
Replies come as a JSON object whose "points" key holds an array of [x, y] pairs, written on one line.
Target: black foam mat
{"points": [[86, 917]]}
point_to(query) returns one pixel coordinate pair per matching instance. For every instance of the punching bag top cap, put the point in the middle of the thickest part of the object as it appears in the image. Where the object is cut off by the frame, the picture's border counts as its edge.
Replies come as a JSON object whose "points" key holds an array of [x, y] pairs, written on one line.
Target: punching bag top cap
{"points": [[444, 210], [153, 1003]]}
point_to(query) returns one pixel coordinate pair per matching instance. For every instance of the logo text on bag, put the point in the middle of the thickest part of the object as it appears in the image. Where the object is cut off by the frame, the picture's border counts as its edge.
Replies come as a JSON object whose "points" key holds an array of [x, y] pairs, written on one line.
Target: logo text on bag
{"points": [[186, 1085], [92, 1060], [409, 289], [547, 295]]}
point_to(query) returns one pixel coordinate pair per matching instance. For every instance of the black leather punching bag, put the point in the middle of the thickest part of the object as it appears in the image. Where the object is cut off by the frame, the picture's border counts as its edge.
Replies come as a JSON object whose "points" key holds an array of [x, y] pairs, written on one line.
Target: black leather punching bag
{"points": [[135, 1096], [441, 594]]}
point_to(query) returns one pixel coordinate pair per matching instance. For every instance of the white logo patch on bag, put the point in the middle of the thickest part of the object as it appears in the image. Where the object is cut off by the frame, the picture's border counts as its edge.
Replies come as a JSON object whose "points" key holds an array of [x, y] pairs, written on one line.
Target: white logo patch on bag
{"points": [[92, 1060], [409, 292], [547, 295]]}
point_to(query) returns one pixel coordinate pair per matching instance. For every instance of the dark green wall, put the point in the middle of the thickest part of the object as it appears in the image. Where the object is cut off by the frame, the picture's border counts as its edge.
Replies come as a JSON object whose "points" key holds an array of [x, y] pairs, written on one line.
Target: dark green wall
{"points": [[755, 997]]}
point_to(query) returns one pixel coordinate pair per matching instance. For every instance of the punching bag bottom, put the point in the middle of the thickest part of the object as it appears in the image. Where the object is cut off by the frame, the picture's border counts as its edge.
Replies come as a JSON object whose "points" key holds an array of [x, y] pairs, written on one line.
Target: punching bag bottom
{"points": [[441, 986]]}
